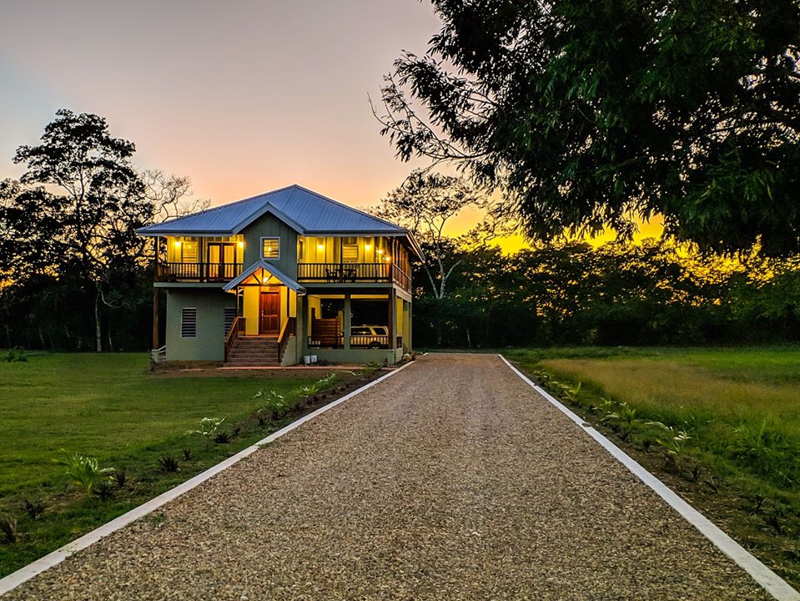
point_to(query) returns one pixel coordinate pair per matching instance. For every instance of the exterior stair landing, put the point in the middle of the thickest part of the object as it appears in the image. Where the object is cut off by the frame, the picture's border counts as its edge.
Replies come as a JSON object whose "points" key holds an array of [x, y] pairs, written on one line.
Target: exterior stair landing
{"points": [[253, 351]]}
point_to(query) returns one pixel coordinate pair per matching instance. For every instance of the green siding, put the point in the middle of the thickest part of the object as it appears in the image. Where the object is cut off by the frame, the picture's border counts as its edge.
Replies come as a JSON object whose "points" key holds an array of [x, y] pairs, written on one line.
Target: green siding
{"points": [[209, 345], [268, 226]]}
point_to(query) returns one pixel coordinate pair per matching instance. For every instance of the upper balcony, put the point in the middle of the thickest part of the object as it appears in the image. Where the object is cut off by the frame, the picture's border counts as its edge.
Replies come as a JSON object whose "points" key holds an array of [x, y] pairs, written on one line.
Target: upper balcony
{"points": [[311, 260], [178, 271], [350, 273]]}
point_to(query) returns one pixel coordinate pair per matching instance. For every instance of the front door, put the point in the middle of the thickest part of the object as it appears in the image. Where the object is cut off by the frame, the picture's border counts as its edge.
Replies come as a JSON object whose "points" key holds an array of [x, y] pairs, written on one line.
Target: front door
{"points": [[221, 260], [269, 313]]}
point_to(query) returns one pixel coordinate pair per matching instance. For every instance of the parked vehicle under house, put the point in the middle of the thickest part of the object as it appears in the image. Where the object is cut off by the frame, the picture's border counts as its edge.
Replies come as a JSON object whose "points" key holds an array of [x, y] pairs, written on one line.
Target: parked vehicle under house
{"points": [[285, 274]]}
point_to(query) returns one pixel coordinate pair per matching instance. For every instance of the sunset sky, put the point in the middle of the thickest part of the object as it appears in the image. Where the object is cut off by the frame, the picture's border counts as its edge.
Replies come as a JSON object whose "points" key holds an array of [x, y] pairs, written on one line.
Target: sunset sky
{"points": [[242, 97]]}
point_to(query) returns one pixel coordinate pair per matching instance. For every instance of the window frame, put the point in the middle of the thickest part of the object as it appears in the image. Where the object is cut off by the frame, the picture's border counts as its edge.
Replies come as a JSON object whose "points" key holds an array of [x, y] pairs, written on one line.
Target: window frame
{"points": [[261, 244]]}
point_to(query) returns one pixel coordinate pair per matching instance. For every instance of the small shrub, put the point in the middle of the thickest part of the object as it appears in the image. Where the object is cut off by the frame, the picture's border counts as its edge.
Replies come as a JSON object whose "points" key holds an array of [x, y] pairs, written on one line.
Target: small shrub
{"points": [[104, 491], [34, 508], [208, 426], [187, 454], [85, 471], [8, 528], [168, 463], [222, 438], [15, 355], [121, 478]]}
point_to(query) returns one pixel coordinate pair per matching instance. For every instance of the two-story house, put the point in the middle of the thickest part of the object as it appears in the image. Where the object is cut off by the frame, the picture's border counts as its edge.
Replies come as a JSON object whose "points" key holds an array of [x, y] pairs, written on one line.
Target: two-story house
{"points": [[280, 276]]}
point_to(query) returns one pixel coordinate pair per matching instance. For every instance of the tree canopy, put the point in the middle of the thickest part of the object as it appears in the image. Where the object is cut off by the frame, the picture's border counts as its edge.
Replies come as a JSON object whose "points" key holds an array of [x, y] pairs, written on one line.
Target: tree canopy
{"points": [[592, 114]]}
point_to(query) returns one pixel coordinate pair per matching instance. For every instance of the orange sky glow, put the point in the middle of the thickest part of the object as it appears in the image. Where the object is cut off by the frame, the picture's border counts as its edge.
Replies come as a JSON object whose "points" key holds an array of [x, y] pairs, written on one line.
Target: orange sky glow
{"points": [[242, 101]]}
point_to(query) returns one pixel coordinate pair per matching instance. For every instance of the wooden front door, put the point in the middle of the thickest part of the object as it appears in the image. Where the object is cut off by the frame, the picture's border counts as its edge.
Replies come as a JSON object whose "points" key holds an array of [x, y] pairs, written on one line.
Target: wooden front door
{"points": [[269, 313]]}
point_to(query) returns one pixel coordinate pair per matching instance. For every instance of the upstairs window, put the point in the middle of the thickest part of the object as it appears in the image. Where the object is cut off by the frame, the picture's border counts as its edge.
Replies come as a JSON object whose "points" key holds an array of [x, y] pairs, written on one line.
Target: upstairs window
{"points": [[270, 248], [350, 250]]}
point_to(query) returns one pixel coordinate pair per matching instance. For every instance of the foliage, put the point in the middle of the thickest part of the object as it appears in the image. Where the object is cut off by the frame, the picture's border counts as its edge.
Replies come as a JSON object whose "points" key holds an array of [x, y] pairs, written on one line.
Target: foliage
{"points": [[168, 463], [85, 471], [8, 528], [573, 293], [33, 508], [590, 115], [68, 238], [208, 426], [15, 356], [222, 438], [120, 478]]}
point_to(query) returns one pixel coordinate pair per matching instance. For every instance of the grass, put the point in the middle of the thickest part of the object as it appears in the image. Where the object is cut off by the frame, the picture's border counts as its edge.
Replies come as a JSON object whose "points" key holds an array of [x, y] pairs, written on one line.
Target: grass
{"points": [[110, 407], [740, 408]]}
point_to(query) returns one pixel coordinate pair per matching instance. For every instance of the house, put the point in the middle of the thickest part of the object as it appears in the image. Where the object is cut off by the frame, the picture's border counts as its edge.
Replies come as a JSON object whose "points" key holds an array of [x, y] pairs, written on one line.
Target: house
{"points": [[280, 276]]}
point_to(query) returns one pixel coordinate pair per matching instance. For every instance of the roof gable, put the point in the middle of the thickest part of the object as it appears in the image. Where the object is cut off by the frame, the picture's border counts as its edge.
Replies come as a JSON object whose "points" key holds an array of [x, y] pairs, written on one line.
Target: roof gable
{"points": [[302, 209]]}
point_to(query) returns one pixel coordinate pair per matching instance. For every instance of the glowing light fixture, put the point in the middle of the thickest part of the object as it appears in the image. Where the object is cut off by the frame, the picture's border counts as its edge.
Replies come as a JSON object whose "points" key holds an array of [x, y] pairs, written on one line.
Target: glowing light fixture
{"points": [[379, 251], [177, 243], [367, 246], [241, 244], [387, 258], [320, 247]]}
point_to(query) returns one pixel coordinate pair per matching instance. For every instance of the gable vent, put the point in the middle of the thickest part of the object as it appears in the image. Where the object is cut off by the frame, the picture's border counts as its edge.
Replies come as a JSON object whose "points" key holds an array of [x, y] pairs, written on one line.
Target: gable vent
{"points": [[189, 322]]}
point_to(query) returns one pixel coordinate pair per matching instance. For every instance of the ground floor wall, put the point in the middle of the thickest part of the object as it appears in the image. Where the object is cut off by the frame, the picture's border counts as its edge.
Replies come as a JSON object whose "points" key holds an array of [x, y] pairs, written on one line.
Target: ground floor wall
{"points": [[208, 343], [212, 305]]}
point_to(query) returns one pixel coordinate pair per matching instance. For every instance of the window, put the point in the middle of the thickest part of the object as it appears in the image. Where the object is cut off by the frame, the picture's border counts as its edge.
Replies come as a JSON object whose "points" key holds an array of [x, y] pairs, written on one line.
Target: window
{"points": [[350, 250], [189, 251], [189, 322], [229, 315], [270, 248]]}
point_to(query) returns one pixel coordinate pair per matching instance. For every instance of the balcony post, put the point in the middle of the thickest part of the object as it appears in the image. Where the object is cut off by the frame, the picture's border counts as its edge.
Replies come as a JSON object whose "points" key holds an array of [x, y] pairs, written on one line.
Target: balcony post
{"points": [[392, 319], [348, 316]]}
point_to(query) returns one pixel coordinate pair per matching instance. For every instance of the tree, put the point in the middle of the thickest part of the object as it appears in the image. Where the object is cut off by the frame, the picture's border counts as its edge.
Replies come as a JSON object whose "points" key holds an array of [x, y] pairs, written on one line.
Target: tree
{"points": [[424, 204], [171, 195], [79, 207], [595, 114]]}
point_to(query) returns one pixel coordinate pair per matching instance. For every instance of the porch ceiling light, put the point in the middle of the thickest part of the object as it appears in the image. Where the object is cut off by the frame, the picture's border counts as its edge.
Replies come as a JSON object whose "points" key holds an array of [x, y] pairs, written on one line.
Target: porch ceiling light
{"points": [[241, 244], [387, 258], [379, 251], [320, 247], [177, 243], [367, 246]]}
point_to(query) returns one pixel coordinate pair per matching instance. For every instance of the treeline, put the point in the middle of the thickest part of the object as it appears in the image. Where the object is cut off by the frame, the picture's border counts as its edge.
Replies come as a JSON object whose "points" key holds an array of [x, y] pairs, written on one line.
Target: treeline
{"points": [[58, 313], [648, 294]]}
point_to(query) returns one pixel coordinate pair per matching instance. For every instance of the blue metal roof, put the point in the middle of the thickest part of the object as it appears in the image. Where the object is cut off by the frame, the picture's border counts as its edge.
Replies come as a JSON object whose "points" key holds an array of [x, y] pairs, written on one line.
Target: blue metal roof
{"points": [[305, 211]]}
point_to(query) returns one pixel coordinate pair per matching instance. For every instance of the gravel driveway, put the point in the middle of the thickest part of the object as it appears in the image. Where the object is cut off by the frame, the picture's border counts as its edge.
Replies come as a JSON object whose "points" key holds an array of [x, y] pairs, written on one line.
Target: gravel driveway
{"points": [[452, 480]]}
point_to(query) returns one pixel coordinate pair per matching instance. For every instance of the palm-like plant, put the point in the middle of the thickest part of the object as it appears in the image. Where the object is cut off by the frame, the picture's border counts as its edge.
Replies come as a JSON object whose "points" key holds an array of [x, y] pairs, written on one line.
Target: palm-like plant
{"points": [[85, 471]]}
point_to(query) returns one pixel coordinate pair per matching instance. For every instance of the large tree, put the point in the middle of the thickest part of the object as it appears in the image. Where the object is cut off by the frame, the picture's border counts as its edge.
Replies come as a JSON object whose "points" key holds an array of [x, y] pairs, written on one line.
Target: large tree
{"points": [[594, 114], [78, 208]]}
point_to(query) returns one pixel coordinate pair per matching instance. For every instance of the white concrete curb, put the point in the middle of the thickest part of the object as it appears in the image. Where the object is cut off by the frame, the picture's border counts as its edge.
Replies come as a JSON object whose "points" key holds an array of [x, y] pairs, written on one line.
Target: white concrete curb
{"points": [[24, 574], [774, 584]]}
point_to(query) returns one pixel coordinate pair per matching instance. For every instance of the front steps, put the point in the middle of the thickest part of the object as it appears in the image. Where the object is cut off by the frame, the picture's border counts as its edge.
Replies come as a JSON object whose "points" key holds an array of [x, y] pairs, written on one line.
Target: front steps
{"points": [[254, 351]]}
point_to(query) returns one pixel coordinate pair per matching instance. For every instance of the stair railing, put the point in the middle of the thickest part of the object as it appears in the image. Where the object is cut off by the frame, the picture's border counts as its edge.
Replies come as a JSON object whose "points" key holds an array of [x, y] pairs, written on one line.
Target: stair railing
{"points": [[237, 326], [287, 330]]}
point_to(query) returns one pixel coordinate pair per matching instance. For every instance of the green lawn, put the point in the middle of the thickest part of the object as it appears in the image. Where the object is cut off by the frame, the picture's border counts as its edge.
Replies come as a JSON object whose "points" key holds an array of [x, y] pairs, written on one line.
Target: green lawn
{"points": [[740, 408], [109, 406]]}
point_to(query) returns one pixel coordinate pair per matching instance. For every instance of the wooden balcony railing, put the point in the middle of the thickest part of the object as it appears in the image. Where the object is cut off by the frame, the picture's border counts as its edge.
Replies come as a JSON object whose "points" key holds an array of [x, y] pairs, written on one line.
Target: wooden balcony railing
{"points": [[334, 273], [197, 272]]}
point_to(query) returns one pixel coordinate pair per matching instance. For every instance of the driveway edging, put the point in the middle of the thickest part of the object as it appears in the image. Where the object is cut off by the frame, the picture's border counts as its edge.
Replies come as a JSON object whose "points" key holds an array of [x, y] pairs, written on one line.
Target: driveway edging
{"points": [[769, 580], [54, 558]]}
